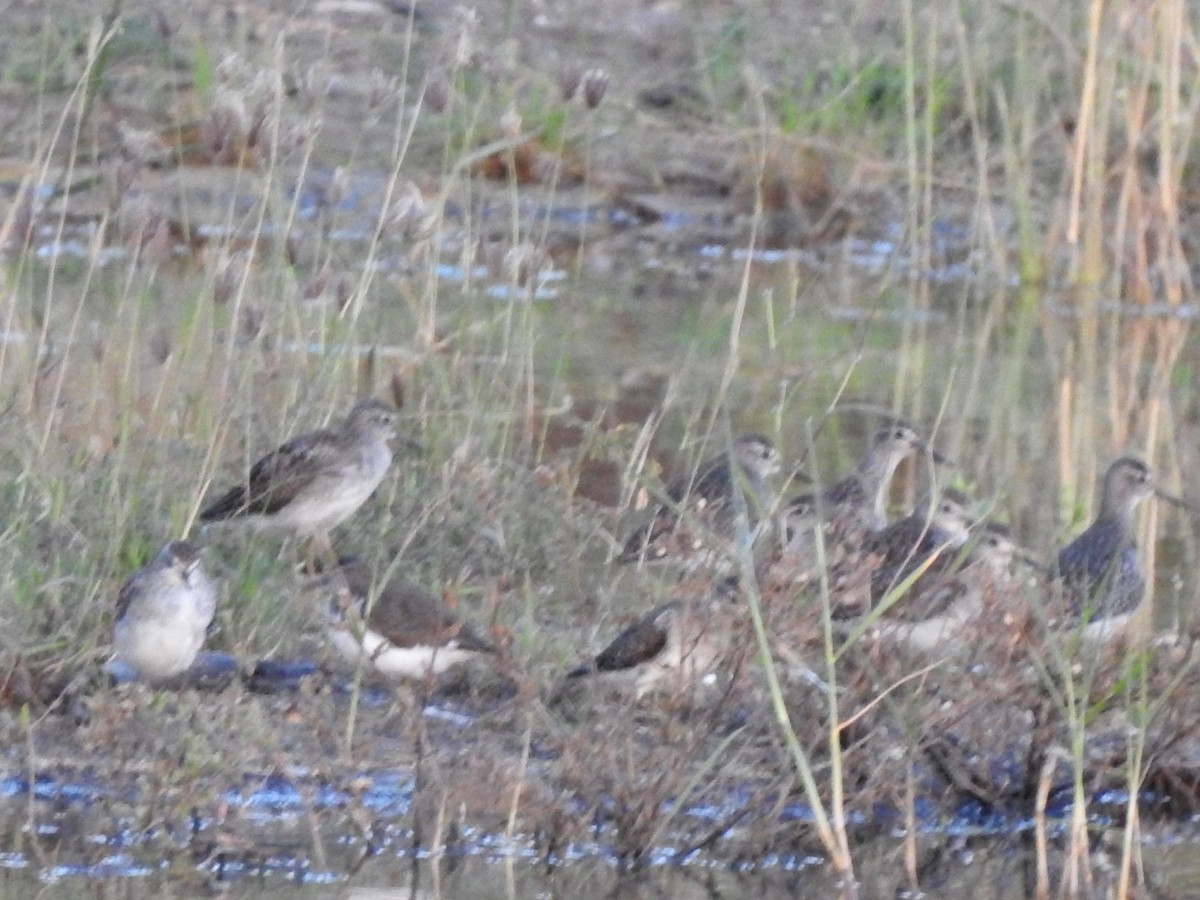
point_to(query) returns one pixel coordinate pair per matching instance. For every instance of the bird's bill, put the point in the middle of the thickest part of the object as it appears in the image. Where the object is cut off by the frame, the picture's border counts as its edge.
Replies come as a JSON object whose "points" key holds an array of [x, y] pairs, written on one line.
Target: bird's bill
{"points": [[409, 444], [1173, 500], [1022, 555], [939, 458]]}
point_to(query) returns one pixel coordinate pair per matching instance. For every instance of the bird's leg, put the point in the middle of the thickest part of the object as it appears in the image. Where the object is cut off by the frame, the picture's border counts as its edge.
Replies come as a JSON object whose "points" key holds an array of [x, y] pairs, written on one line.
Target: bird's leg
{"points": [[318, 553]]}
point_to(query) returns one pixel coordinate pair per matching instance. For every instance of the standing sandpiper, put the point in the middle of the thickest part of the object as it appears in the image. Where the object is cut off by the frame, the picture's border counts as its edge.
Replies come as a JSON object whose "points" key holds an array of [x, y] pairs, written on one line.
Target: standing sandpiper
{"points": [[936, 617], [163, 613], [315, 481], [848, 512], [399, 628], [863, 494], [939, 526], [1099, 569], [704, 505], [673, 647]]}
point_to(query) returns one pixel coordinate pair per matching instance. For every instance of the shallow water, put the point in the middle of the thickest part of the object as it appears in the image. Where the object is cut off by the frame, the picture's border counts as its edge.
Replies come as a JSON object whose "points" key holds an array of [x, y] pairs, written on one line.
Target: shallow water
{"points": [[304, 832], [77, 862]]}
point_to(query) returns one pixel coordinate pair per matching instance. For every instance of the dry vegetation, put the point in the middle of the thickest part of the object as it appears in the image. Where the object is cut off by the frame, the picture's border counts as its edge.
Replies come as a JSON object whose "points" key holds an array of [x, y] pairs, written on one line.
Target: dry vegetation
{"points": [[222, 221]]}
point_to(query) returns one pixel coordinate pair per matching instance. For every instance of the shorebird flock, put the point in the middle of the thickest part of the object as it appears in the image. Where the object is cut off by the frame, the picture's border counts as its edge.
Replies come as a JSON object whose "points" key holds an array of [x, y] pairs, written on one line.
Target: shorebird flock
{"points": [[926, 579]]}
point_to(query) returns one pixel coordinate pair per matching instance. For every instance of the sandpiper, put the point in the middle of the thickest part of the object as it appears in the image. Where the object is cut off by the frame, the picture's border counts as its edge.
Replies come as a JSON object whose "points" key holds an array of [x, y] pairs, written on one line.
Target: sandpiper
{"points": [[163, 613], [848, 514], [863, 494], [315, 481], [399, 627], [673, 647], [940, 613], [939, 526], [702, 506], [1099, 569]]}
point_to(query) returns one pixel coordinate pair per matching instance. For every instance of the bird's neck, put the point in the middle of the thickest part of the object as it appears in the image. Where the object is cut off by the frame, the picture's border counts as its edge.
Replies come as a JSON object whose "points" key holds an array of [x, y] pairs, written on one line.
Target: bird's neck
{"points": [[1121, 515], [755, 481], [875, 475]]}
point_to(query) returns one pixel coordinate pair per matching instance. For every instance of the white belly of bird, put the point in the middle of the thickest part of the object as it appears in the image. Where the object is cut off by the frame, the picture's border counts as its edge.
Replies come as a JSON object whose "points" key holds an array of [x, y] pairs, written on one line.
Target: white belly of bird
{"points": [[397, 662], [158, 649], [323, 512], [1106, 629], [332, 497], [681, 665], [933, 634]]}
